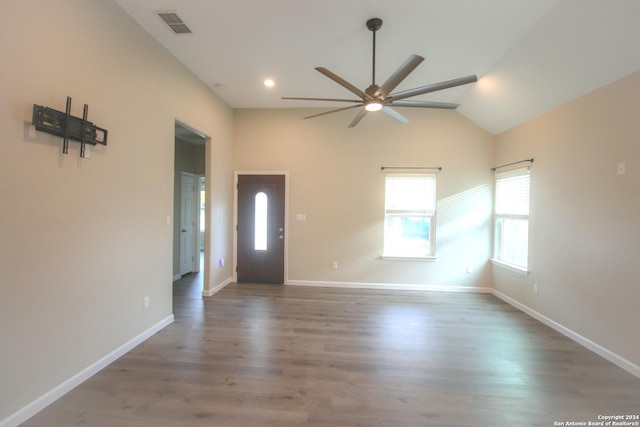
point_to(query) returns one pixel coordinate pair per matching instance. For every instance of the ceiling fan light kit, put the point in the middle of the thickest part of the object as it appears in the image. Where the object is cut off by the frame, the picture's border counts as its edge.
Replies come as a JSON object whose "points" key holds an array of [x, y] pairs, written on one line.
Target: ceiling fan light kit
{"points": [[376, 98], [373, 106]]}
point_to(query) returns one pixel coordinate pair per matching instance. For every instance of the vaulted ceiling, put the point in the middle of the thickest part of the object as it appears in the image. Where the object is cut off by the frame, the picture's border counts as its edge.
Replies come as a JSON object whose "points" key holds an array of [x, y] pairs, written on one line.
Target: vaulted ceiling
{"points": [[530, 56]]}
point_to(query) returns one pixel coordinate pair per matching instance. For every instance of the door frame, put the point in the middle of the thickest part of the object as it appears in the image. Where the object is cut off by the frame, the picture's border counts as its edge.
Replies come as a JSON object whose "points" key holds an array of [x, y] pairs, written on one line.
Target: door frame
{"points": [[199, 178], [286, 218]]}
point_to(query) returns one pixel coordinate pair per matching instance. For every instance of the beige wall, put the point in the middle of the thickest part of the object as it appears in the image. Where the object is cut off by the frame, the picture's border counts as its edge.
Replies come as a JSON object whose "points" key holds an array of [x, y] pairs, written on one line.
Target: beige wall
{"points": [[335, 180], [585, 219], [84, 240]]}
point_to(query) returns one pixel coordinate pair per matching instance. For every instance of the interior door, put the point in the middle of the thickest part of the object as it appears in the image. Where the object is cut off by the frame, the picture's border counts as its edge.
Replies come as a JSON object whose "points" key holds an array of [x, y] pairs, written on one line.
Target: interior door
{"points": [[188, 199], [260, 230]]}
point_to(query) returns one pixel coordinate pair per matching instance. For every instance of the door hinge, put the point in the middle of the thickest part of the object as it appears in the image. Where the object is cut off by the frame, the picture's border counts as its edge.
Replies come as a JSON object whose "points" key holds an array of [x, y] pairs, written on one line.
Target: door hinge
{"points": [[236, 268]]}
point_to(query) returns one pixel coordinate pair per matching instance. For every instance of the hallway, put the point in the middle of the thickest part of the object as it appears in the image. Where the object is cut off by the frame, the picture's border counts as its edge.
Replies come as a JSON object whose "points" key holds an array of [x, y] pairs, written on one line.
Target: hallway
{"points": [[190, 285]]}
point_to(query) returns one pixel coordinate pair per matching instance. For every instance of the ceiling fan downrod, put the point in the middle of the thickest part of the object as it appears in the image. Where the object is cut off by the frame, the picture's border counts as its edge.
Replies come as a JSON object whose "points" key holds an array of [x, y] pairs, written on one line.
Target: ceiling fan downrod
{"points": [[374, 25]]}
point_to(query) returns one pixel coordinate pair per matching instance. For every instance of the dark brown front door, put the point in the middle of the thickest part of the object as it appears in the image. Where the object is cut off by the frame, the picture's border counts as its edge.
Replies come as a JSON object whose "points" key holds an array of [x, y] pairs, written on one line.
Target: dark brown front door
{"points": [[261, 228]]}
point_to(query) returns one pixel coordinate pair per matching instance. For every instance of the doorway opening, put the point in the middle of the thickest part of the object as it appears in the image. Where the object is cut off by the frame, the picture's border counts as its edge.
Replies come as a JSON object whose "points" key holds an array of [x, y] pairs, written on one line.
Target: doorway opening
{"points": [[189, 205]]}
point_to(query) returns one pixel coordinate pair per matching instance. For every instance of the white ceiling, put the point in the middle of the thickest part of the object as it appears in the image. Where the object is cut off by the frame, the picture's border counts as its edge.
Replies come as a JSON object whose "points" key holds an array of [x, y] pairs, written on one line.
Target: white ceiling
{"points": [[530, 55]]}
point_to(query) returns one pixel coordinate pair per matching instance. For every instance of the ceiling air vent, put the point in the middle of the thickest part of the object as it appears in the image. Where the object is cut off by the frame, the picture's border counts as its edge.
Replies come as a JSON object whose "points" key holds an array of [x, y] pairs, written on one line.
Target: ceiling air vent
{"points": [[174, 22]]}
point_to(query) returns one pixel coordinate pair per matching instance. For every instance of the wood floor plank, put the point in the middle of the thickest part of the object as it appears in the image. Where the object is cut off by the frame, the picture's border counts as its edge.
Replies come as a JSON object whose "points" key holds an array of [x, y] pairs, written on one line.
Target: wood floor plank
{"points": [[262, 355]]}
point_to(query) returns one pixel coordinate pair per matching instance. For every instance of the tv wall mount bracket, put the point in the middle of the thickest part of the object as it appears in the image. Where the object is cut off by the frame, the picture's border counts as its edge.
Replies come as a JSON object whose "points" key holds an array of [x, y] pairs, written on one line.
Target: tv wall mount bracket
{"points": [[66, 126]]}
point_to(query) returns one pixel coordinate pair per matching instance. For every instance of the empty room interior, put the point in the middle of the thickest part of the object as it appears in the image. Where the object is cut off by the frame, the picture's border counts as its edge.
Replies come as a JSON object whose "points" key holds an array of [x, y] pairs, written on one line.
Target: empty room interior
{"points": [[229, 233]]}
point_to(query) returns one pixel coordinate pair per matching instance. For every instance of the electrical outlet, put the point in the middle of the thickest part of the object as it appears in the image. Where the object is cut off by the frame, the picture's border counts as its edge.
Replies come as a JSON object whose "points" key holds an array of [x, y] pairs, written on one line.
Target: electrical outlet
{"points": [[145, 302], [622, 168], [335, 265], [468, 268], [535, 288]]}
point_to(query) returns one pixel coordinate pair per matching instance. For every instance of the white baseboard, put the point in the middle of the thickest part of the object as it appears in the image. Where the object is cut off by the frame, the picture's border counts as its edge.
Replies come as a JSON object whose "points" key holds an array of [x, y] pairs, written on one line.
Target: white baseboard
{"points": [[177, 277], [585, 342], [210, 292], [52, 395], [390, 286]]}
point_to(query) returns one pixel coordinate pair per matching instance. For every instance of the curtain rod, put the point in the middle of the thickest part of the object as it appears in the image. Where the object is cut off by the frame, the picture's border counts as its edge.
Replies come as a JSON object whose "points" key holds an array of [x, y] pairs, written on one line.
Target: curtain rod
{"points": [[511, 164], [410, 167]]}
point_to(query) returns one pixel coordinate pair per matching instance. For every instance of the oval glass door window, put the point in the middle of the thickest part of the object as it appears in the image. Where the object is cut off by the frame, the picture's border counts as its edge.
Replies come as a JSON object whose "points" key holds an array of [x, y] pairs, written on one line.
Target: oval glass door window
{"points": [[260, 236]]}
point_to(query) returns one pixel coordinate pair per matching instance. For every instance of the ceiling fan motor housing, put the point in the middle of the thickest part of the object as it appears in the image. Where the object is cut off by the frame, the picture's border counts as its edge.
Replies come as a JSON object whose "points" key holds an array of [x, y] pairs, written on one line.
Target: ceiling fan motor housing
{"points": [[371, 90]]}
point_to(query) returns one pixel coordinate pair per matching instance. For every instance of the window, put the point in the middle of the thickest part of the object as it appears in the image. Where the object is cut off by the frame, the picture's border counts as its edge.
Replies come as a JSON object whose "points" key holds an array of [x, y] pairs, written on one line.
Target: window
{"points": [[511, 228], [260, 228], [409, 220]]}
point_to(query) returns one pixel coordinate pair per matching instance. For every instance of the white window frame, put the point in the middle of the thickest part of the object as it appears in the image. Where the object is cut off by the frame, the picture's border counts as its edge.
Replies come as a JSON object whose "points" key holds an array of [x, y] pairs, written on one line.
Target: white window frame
{"points": [[429, 213], [499, 258]]}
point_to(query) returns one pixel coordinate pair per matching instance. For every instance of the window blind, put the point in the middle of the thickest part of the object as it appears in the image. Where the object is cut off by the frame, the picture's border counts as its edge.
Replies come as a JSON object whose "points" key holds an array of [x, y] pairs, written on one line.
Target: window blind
{"points": [[410, 193], [512, 194]]}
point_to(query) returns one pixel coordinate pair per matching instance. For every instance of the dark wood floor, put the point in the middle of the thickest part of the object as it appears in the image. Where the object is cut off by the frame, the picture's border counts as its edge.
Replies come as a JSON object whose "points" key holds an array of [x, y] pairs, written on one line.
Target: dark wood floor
{"points": [[263, 355]]}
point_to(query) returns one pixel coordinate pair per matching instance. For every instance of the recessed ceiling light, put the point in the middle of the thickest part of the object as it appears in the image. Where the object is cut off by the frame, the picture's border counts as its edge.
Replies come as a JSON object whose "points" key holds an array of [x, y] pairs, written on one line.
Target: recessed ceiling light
{"points": [[269, 83]]}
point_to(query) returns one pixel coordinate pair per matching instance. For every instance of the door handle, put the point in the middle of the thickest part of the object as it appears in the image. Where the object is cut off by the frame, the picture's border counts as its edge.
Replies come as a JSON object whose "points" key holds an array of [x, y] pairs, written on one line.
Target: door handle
{"points": [[183, 230]]}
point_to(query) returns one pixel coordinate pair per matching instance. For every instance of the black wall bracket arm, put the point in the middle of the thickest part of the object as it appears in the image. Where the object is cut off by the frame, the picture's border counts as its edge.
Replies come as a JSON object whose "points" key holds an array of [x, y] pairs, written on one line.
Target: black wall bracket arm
{"points": [[66, 126]]}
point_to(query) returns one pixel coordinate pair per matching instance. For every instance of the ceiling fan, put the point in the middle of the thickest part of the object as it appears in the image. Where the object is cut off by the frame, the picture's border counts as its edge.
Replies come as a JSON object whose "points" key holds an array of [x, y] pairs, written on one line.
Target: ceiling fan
{"points": [[375, 98]]}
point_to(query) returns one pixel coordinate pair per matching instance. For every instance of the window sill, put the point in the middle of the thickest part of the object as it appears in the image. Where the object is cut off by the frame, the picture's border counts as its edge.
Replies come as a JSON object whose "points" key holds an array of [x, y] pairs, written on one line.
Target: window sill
{"points": [[408, 258], [511, 267]]}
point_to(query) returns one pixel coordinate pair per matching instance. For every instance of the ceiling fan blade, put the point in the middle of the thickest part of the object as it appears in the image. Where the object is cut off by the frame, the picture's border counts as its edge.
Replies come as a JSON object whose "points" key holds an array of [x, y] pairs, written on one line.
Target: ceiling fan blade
{"points": [[342, 82], [322, 99], [358, 117], [400, 74], [395, 115], [432, 88], [333, 111], [425, 104]]}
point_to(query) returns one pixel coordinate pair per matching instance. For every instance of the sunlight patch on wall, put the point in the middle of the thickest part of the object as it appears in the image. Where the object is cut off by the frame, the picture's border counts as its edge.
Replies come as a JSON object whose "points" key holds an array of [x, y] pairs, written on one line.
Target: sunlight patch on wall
{"points": [[463, 212]]}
